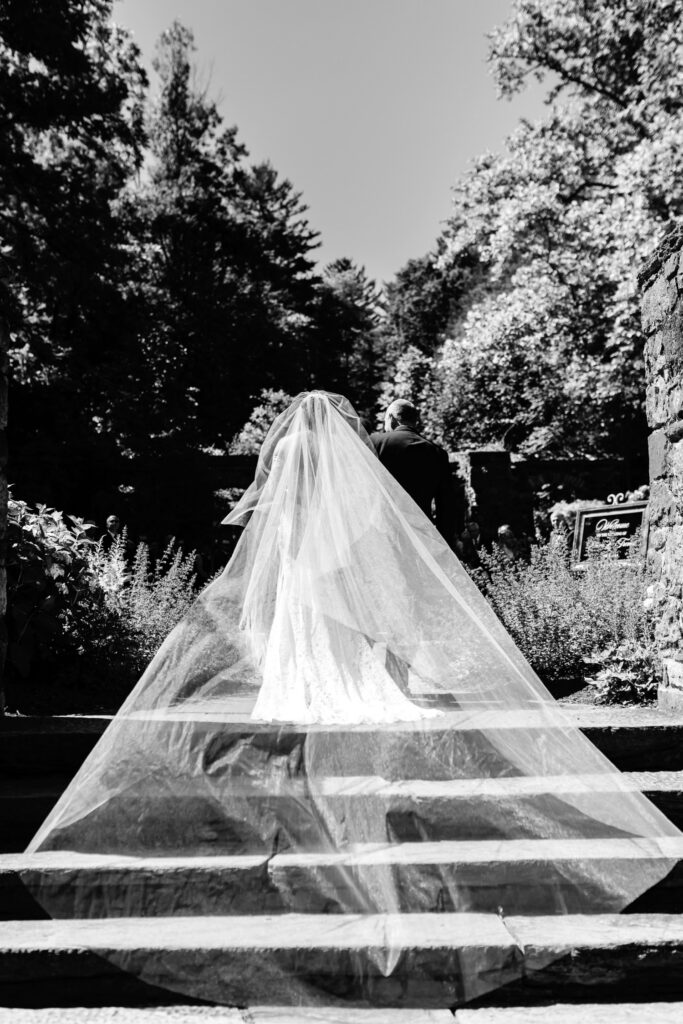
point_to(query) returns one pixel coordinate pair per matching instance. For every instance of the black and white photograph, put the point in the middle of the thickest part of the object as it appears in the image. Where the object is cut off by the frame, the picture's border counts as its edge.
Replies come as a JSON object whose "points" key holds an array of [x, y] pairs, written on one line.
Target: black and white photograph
{"points": [[341, 511]]}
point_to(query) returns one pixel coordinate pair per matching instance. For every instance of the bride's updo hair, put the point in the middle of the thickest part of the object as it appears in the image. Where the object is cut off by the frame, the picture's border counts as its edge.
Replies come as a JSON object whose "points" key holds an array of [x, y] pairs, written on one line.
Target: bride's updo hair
{"points": [[326, 403], [315, 422]]}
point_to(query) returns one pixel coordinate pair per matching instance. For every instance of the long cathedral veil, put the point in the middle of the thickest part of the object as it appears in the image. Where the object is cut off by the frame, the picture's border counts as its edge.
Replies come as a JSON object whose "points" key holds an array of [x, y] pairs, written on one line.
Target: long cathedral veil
{"points": [[347, 820]]}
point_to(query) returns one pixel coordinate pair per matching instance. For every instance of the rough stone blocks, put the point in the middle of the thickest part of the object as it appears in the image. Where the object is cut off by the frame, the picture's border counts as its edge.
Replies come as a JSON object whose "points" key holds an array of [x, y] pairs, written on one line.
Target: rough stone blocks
{"points": [[662, 318], [658, 301], [658, 446]]}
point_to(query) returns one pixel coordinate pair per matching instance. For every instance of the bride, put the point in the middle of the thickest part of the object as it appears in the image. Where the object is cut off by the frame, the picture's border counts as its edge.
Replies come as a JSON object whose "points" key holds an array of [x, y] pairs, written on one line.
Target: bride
{"points": [[272, 734], [316, 516]]}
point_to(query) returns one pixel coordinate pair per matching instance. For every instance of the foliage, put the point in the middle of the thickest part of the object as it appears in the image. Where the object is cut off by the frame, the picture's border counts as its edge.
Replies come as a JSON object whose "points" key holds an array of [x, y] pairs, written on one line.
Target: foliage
{"points": [[252, 435], [629, 674], [413, 378], [249, 439], [223, 268], [562, 619], [356, 305], [48, 573], [546, 354], [145, 600], [426, 299], [150, 260], [79, 615], [71, 93]]}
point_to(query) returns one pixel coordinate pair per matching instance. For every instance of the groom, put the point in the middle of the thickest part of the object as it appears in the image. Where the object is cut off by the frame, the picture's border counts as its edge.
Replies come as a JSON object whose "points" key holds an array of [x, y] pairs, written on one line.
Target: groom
{"points": [[423, 470], [420, 466]]}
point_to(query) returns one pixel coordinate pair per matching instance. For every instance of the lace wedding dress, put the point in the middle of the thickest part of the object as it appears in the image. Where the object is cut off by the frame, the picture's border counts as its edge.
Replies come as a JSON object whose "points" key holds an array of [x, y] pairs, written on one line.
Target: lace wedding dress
{"points": [[316, 672], [316, 669], [342, 724]]}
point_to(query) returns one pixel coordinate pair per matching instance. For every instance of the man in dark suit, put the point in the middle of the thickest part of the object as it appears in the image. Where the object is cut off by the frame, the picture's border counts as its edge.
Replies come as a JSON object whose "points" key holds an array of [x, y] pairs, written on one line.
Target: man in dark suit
{"points": [[423, 470], [109, 539], [420, 466]]}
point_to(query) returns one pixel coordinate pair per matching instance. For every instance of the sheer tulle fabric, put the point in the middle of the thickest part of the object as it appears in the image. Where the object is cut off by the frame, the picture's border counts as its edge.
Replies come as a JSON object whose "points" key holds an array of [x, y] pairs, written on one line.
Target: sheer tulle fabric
{"points": [[343, 666]]}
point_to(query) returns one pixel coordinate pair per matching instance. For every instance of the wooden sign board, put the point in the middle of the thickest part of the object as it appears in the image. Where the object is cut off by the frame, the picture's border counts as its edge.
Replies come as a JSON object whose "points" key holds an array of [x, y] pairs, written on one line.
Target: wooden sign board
{"points": [[616, 524]]}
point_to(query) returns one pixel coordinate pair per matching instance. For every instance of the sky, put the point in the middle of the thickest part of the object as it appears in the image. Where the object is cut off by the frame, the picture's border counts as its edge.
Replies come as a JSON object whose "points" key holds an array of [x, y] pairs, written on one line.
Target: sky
{"points": [[372, 108]]}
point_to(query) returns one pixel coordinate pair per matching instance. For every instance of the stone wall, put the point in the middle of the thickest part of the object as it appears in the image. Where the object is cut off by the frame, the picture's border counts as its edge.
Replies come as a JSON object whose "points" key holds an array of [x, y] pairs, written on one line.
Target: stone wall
{"points": [[4, 345], [488, 490], [661, 283], [497, 487]]}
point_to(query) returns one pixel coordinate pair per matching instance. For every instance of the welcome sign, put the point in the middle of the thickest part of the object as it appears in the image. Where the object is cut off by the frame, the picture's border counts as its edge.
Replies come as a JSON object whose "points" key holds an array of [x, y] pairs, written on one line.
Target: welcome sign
{"points": [[614, 525]]}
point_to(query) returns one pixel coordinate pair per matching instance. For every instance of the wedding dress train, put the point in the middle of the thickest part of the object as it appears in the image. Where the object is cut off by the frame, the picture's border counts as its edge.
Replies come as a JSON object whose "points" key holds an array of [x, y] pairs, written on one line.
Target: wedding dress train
{"points": [[342, 725]]}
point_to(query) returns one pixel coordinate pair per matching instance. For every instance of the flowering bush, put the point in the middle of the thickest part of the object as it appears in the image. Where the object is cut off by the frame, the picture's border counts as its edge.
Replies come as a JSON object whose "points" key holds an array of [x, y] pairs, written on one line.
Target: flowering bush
{"points": [[145, 599], [563, 620]]}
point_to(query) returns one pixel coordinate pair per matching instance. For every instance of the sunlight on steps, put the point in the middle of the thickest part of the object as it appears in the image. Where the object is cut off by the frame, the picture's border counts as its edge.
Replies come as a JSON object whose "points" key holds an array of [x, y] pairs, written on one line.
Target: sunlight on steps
{"points": [[603, 956]]}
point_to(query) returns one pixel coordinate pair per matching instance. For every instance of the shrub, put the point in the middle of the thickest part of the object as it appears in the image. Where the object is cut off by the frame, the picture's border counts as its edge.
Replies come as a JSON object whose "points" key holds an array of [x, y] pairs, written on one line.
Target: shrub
{"points": [[48, 577], [79, 615], [563, 619], [629, 674], [145, 599]]}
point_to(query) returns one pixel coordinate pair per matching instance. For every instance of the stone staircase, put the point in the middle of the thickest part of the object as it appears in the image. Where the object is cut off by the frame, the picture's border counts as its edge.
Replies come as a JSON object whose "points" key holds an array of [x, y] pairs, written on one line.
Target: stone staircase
{"points": [[576, 968]]}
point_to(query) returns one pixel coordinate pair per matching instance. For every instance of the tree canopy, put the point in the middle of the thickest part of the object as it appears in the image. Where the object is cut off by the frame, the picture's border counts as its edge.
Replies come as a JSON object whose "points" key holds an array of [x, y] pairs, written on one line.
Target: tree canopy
{"points": [[545, 351], [161, 282], [163, 286]]}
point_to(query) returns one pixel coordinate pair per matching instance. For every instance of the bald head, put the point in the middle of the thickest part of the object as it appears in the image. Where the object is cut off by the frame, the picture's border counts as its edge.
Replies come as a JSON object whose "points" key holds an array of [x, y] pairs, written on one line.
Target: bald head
{"points": [[400, 413]]}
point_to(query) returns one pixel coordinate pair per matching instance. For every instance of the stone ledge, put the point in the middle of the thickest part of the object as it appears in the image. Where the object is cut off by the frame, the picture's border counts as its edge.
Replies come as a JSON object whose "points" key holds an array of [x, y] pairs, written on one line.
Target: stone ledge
{"points": [[566, 1013], [569, 1013], [225, 1015], [127, 1015], [333, 932], [63, 865], [349, 787], [557, 958], [449, 809], [633, 738], [516, 874]]}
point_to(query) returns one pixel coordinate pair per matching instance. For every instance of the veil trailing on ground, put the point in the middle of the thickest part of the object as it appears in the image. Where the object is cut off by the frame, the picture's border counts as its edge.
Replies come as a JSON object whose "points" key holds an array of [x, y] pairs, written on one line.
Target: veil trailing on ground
{"points": [[342, 729]]}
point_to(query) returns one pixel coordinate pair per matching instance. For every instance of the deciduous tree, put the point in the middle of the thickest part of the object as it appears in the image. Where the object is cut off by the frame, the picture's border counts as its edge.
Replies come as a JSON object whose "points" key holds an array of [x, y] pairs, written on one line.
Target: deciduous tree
{"points": [[549, 349]]}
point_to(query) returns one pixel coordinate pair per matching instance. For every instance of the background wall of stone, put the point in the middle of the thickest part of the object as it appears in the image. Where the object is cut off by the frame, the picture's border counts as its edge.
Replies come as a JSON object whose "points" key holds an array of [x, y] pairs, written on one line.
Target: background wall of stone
{"points": [[661, 283], [4, 346], [497, 487]]}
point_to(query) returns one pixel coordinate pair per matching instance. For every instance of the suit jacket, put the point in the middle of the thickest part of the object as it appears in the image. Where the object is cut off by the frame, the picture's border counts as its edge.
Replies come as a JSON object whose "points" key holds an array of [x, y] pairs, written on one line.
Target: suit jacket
{"points": [[423, 470]]}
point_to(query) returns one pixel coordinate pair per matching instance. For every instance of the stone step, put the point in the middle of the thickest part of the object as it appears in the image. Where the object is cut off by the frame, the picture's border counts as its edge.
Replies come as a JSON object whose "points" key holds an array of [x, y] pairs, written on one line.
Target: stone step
{"points": [[224, 1015], [467, 808], [406, 810], [566, 958], [519, 876], [633, 738], [25, 802], [37, 745], [567, 1013], [128, 1015]]}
